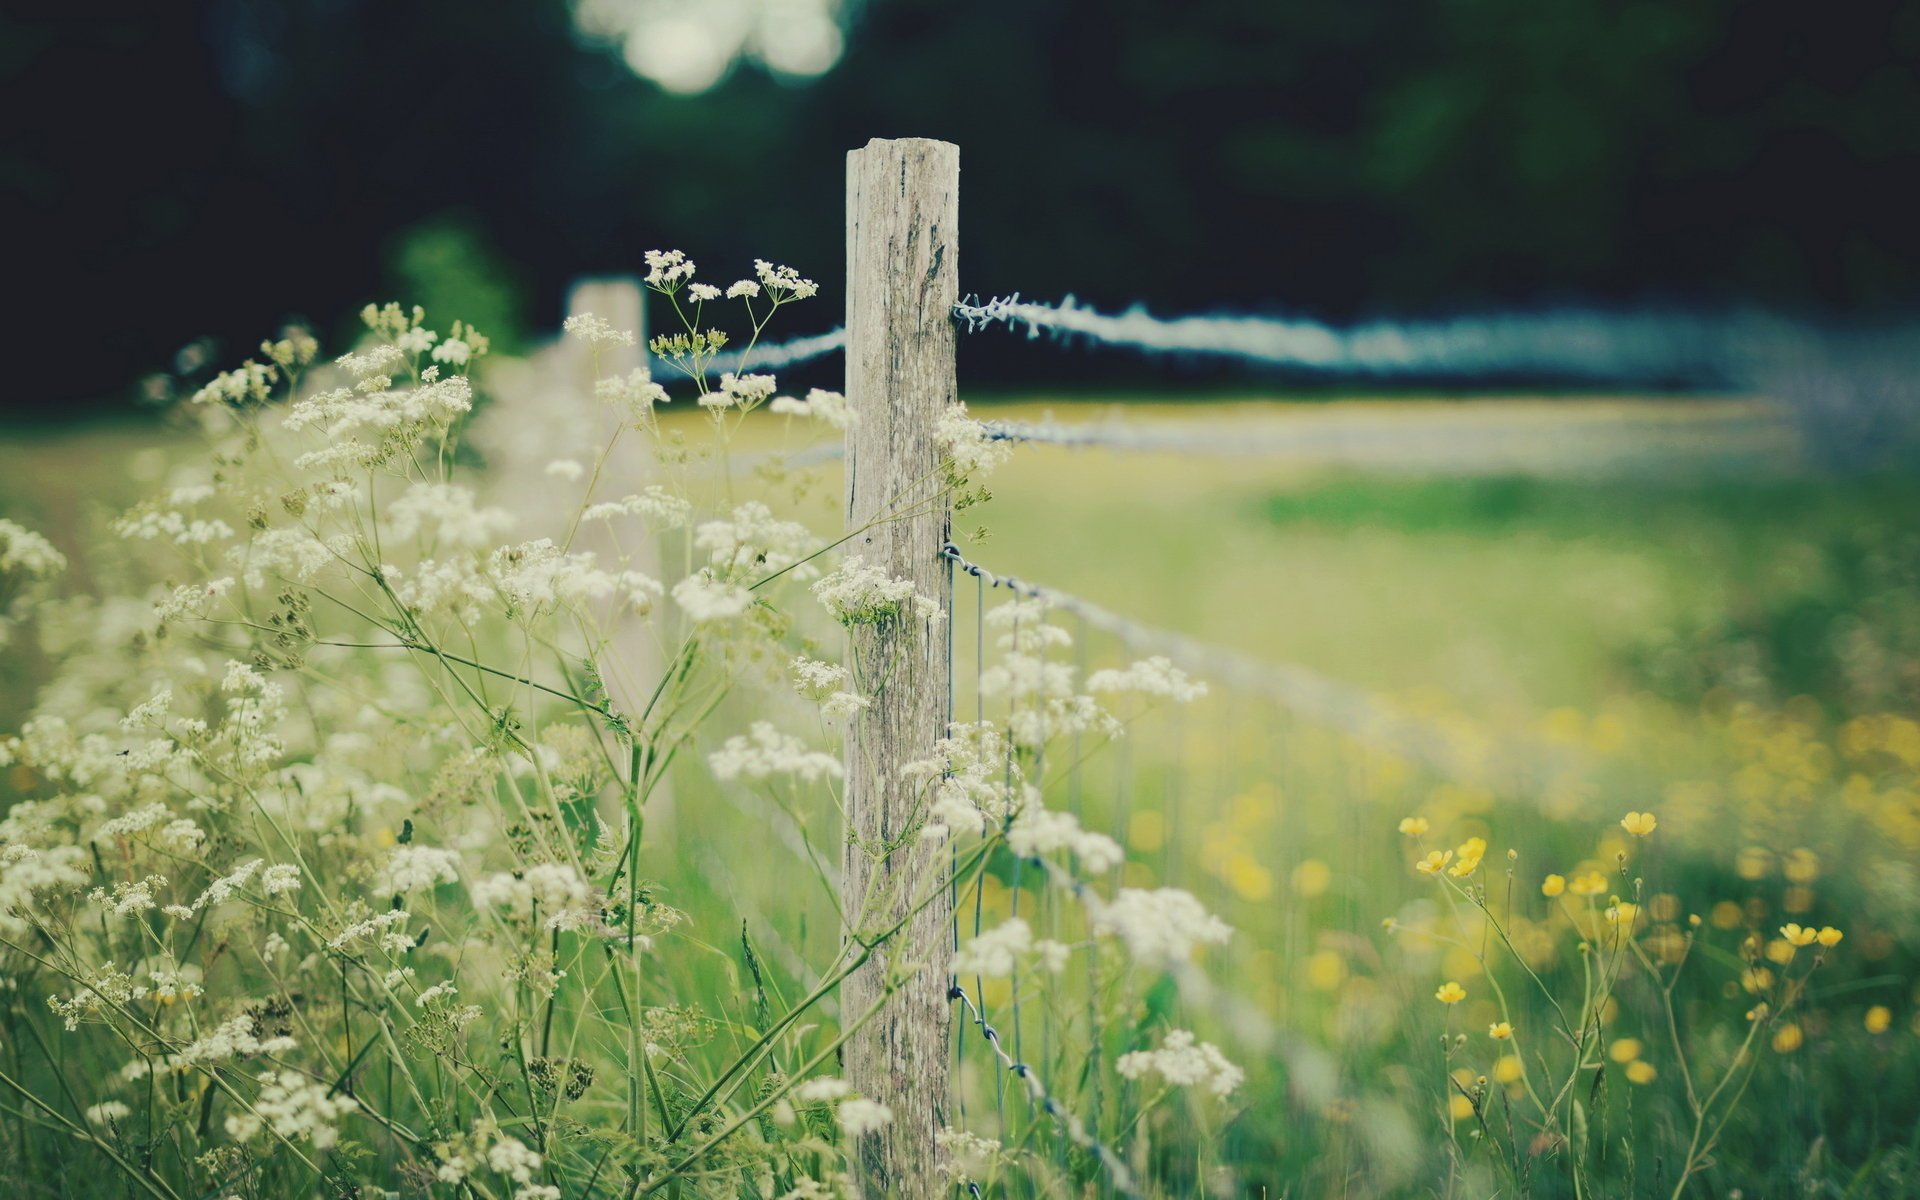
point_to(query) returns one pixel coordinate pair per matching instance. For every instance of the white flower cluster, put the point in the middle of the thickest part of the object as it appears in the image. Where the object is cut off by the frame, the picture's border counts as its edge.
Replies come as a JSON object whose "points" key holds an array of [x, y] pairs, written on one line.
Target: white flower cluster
{"points": [[997, 952], [26, 554], [856, 1114], [752, 541], [1161, 926], [858, 594], [667, 269], [828, 685], [596, 331], [766, 752], [537, 576], [782, 282], [705, 598], [820, 405], [972, 455], [1156, 676], [1184, 1061], [388, 930], [635, 392], [1043, 699], [972, 781], [233, 1038], [295, 1108], [447, 515], [26, 873], [165, 521], [413, 868], [554, 891], [372, 423], [486, 1147], [744, 392], [664, 509], [128, 898], [247, 384], [1037, 831]]}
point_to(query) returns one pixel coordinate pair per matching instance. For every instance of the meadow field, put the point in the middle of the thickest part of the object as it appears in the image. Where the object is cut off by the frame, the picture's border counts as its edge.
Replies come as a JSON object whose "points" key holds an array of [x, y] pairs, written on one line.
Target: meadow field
{"points": [[1558, 612]]}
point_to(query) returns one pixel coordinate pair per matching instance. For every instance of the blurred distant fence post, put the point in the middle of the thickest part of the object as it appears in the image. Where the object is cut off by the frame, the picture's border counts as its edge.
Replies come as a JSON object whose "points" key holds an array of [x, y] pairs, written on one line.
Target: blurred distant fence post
{"points": [[903, 204]]}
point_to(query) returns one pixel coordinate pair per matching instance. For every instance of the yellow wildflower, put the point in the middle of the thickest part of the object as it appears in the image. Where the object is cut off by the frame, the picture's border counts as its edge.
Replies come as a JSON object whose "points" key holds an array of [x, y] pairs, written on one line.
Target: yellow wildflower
{"points": [[1590, 883], [1500, 1031], [1641, 1071], [1460, 1107], [1553, 885], [1799, 935], [1829, 936], [1624, 1050], [1414, 826], [1639, 824], [1879, 1018], [1623, 913], [1450, 992], [1508, 1069], [1435, 862], [1471, 852], [1788, 1038]]}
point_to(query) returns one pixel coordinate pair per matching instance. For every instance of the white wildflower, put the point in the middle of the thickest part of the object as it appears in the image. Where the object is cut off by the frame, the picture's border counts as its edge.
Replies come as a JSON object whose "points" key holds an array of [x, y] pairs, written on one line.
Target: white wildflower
{"points": [[820, 405], [1159, 927], [280, 878], [295, 1108], [1156, 676], [858, 1115], [971, 452], [1183, 1061], [27, 554], [666, 269], [766, 752], [413, 868], [596, 331], [1037, 831], [858, 594], [704, 598]]}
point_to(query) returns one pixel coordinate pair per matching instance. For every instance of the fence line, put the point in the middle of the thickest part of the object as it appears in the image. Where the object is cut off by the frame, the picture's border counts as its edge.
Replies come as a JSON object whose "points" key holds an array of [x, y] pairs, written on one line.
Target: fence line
{"points": [[1640, 347], [1351, 710]]}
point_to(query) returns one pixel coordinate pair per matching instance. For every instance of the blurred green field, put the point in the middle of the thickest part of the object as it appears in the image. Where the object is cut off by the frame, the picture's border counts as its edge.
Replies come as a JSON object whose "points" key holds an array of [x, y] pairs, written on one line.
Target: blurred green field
{"points": [[1684, 622]]}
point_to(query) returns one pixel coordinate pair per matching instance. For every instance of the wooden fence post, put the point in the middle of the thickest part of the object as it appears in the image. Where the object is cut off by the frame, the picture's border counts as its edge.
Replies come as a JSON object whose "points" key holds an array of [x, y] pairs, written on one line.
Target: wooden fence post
{"points": [[903, 204]]}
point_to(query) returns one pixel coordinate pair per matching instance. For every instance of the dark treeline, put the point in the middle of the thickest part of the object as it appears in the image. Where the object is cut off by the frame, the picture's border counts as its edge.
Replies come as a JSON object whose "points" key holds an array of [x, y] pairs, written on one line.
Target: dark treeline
{"points": [[215, 166]]}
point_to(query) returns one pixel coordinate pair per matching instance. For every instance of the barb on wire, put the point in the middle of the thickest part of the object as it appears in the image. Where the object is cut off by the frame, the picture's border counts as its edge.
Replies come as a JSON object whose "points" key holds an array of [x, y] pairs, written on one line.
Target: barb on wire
{"points": [[1069, 1122], [1588, 345], [1351, 710]]}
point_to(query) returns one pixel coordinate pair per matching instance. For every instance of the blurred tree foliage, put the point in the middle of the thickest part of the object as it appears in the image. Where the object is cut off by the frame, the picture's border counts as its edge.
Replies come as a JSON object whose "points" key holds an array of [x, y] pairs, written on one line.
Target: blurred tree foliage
{"points": [[209, 165]]}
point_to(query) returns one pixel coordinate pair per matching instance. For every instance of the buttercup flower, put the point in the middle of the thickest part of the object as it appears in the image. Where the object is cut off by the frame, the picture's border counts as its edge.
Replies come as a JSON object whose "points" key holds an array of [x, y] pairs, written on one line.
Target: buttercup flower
{"points": [[1450, 992], [1588, 883], [1553, 885], [1471, 852], [1435, 862], [1829, 936], [1500, 1031], [1414, 826], [1799, 935], [1639, 824]]}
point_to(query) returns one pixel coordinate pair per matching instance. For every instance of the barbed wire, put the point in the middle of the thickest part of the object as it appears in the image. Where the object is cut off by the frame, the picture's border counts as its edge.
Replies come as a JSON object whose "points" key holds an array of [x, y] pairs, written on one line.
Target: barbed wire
{"points": [[1069, 1122], [1351, 710], [1591, 345]]}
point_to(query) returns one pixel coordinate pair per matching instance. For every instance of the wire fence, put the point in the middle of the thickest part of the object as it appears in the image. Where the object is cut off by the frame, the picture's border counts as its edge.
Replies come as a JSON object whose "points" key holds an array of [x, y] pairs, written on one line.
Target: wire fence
{"points": [[1660, 349]]}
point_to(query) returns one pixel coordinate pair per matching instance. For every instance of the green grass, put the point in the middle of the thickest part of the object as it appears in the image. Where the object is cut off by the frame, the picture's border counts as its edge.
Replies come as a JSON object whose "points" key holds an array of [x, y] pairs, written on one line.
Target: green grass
{"points": [[1620, 615]]}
